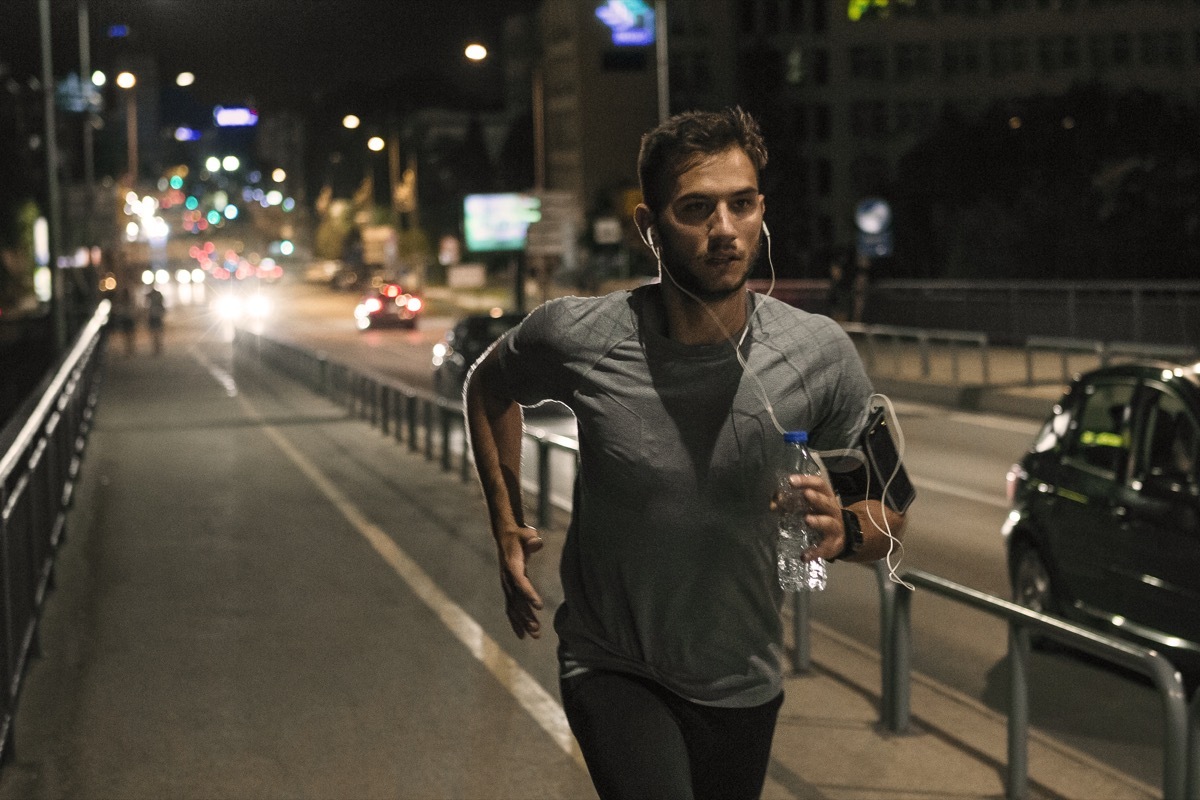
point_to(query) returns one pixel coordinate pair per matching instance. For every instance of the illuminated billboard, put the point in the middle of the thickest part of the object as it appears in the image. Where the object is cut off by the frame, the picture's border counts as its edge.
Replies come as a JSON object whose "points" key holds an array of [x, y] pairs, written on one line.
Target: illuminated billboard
{"points": [[631, 21], [234, 117], [499, 221]]}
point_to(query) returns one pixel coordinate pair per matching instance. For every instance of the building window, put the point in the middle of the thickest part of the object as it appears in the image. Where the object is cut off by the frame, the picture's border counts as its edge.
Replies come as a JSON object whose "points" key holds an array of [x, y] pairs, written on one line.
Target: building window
{"points": [[821, 122], [821, 67], [747, 16], [913, 60], [1007, 56], [960, 57], [795, 15], [914, 117], [799, 123], [868, 62], [770, 12], [1058, 53], [1161, 49], [824, 177], [869, 120], [825, 229]]}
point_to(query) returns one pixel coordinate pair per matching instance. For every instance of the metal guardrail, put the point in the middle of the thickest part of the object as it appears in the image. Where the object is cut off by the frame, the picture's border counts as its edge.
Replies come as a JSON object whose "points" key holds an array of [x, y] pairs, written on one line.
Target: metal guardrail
{"points": [[430, 423], [41, 453], [427, 422], [1022, 621], [925, 341], [892, 350]]}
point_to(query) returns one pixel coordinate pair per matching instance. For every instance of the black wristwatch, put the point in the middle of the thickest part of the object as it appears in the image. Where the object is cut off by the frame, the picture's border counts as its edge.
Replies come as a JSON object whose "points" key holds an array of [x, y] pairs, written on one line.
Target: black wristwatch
{"points": [[854, 536]]}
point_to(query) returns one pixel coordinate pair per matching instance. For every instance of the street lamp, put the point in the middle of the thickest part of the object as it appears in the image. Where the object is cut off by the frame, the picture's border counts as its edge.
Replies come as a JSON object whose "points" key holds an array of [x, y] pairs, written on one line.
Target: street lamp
{"points": [[127, 81]]}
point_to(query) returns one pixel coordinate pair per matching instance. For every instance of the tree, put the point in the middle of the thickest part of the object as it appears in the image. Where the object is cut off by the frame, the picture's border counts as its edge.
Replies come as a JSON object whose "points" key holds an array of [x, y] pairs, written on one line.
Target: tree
{"points": [[1075, 186]]}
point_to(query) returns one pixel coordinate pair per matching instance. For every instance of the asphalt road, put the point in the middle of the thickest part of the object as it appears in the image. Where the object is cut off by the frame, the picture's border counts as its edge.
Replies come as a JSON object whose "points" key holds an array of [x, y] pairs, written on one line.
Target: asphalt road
{"points": [[958, 462]]}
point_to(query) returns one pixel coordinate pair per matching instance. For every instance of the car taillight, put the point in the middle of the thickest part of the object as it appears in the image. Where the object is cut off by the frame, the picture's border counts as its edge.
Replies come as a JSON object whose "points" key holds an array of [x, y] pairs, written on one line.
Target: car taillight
{"points": [[373, 304], [414, 304], [1014, 477]]}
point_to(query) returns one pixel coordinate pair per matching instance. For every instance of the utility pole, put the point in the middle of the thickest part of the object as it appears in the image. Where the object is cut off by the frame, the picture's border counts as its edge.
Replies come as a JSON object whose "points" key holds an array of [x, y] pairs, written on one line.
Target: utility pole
{"points": [[58, 301]]}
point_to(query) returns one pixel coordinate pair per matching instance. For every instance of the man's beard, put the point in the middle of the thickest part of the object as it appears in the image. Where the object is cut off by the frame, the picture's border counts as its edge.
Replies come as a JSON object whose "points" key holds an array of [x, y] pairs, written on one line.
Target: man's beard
{"points": [[693, 286]]}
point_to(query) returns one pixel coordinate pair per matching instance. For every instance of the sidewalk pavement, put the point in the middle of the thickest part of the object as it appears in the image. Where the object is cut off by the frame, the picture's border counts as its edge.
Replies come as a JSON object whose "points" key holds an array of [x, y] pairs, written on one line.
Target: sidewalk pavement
{"points": [[220, 631]]}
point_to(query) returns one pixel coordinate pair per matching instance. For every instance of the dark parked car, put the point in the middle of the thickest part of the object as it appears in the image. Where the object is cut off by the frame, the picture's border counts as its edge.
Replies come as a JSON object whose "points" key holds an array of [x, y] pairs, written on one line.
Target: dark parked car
{"points": [[389, 304], [1105, 521], [463, 345]]}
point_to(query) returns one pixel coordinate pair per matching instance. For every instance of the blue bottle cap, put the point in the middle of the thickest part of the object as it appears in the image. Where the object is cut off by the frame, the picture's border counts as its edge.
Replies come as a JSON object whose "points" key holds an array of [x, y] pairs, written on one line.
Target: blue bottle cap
{"points": [[796, 437]]}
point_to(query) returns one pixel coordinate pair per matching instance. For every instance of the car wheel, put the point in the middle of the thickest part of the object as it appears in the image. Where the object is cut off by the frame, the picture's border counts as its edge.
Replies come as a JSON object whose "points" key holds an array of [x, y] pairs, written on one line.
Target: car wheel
{"points": [[1033, 589], [1031, 583]]}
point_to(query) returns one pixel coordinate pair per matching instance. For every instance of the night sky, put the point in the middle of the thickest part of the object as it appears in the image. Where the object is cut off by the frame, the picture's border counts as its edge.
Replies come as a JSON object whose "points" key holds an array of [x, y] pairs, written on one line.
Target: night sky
{"points": [[266, 52]]}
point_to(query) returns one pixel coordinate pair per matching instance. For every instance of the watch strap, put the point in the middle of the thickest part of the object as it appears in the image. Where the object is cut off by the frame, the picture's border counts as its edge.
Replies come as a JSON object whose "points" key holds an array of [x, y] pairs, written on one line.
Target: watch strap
{"points": [[853, 540]]}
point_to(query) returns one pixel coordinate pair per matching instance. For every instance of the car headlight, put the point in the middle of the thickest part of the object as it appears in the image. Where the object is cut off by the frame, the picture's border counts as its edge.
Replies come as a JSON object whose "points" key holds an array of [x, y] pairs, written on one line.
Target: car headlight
{"points": [[229, 307]]}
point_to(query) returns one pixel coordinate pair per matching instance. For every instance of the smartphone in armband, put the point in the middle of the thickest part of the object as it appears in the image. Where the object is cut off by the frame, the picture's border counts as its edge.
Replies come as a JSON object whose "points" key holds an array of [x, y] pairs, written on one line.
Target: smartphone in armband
{"points": [[883, 469]]}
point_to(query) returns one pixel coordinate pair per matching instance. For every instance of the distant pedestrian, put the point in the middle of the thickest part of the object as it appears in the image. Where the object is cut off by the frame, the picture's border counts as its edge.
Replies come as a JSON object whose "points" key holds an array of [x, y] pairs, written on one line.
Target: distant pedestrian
{"points": [[123, 319], [156, 309]]}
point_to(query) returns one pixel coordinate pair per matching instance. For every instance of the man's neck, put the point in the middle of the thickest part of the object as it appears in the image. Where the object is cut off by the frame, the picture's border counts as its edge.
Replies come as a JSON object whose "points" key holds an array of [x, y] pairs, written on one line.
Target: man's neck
{"points": [[691, 322]]}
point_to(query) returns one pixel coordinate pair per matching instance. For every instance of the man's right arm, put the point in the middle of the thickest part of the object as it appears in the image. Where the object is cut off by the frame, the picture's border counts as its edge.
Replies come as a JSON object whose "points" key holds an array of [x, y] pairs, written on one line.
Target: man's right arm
{"points": [[496, 425]]}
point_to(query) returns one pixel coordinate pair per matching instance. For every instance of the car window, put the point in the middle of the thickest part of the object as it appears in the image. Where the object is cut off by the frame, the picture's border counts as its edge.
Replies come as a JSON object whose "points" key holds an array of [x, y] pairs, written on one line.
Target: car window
{"points": [[1168, 449], [1100, 435]]}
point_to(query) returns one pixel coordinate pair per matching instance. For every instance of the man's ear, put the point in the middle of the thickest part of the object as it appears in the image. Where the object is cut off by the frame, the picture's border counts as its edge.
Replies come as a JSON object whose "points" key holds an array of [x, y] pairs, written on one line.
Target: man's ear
{"points": [[643, 217]]}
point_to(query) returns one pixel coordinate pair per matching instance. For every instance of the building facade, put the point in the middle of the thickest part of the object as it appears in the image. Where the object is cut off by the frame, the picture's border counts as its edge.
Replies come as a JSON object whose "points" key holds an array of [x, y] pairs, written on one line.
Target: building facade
{"points": [[843, 88]]}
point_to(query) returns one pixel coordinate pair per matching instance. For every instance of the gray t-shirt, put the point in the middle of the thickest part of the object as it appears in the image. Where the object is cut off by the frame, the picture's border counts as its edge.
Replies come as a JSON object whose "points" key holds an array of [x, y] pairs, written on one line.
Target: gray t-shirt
{"points": [[668, 569]]}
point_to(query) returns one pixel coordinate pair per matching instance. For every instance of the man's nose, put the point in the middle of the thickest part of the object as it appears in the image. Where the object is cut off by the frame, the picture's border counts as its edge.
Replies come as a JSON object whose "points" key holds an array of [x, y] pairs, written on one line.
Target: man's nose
{"points": [[721, 222]]}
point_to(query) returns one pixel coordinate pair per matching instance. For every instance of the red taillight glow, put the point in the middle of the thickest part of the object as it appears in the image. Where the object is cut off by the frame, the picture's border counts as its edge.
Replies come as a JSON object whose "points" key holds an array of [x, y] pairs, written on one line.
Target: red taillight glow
{"points": [[391, 291], [373, 304]]}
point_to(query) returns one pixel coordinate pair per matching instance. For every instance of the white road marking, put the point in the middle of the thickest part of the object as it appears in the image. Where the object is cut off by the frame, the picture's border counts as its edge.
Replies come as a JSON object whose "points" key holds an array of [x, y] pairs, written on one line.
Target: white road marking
{"points": [[959, 492]]}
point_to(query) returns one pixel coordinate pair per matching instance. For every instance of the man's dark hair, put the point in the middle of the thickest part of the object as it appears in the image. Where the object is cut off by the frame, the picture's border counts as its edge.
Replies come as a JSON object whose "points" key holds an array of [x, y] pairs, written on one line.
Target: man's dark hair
{"points": [[679, 142]]}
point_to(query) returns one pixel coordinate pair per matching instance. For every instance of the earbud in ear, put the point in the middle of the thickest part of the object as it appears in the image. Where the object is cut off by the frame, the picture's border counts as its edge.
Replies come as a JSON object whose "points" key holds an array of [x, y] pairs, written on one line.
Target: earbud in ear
{"points": [[650, 237], [766, 230]]}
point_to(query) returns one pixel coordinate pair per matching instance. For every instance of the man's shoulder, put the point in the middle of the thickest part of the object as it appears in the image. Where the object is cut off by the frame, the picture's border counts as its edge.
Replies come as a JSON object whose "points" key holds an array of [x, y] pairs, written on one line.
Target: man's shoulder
{"points": [[775, 313], [572, 311]]}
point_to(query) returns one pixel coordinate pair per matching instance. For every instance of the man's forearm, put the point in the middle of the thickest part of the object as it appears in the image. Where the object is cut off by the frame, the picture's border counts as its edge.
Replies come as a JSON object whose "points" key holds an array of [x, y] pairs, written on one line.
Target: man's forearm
{"points": [[495, 425]]}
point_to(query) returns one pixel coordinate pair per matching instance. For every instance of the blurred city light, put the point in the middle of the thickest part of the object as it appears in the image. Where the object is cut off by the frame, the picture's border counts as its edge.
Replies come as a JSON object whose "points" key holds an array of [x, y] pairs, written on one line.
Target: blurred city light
{"points": [[279, 176], [375, 144], [213, 164], [351, 121], [230, 163], [99, 78], [476, 52], [185, 79], [126, 80]]}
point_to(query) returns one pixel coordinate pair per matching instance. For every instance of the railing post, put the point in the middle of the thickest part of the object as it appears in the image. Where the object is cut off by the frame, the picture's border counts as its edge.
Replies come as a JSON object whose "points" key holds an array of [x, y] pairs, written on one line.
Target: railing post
{"points": [[444, 419], [410, 403], [543, 471], [887, 621], [801, 631], [385, 409], [464, 463], [1018, 714], [898, 712], [427, 420], [1192, 782]]}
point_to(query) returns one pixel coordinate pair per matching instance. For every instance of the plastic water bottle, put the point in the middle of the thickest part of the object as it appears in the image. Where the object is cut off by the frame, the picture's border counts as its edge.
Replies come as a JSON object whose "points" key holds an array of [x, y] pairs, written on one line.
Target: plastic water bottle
{"points": [[796, 575]]}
